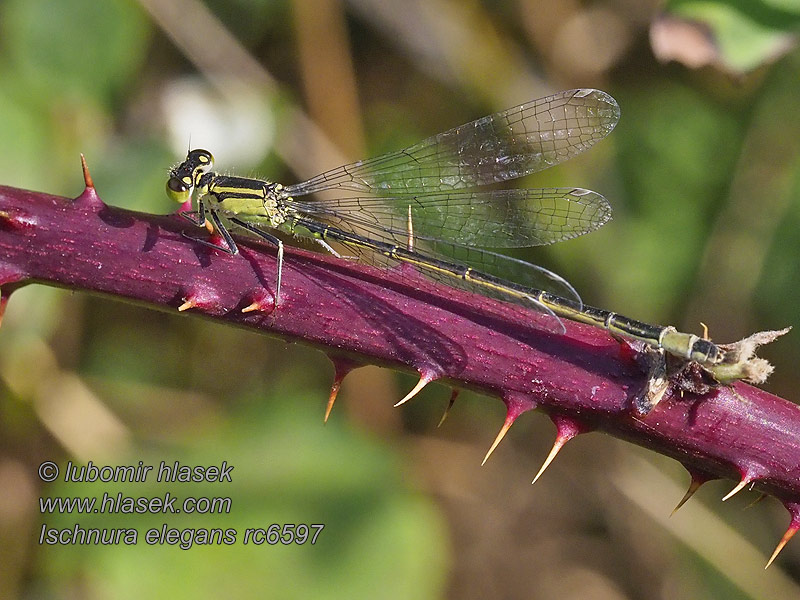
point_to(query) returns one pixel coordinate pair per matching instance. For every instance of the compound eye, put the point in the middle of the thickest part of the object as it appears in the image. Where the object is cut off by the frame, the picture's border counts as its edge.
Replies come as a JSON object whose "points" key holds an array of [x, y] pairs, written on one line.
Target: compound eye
{"points": [[178, 189]]}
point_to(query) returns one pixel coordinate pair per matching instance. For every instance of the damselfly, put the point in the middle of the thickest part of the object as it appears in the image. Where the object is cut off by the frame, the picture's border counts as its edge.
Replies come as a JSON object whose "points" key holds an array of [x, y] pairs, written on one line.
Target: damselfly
{"points": [[417, 206]]}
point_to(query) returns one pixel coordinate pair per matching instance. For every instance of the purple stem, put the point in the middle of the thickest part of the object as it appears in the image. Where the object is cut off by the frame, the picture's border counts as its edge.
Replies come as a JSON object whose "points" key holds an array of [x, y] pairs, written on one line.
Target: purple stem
{"points": [[360, 314]]}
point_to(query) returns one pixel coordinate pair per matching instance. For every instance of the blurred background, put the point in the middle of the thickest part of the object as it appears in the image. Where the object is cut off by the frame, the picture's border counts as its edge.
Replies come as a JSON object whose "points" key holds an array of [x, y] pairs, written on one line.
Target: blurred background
{"points": [[703, 173]]}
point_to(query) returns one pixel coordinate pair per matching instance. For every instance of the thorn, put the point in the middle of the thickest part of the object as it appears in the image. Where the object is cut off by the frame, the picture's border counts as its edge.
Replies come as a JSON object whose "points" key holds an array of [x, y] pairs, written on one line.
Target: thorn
{"points": [[87, 177], [749, 474], [705, 331], [793, 527], [337, 383], [89, 195], [453, 396], [756, 501], [515, 406], [694, 485], [200, 296], [557, 445], [260, 302], [190, 303], [252, 307], [424, 379], [342, 368], [739, 487], [510, 418], [567, 428]]}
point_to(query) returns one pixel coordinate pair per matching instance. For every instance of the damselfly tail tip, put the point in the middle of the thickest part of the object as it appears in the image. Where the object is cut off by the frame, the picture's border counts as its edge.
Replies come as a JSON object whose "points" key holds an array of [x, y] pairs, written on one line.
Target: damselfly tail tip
{"points": [[741, 362]]}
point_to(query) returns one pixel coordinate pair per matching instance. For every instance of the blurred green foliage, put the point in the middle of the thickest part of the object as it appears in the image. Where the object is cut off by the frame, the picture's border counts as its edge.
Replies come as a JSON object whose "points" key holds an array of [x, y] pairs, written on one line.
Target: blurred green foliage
{"points": [[748, 32], [704, 175], [377, 537]]}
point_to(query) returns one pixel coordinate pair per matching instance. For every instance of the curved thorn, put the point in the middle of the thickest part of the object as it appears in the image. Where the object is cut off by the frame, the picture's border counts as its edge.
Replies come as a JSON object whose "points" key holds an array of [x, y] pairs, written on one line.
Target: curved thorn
{"points": [[739, 487], [341, 369], [424, 379], [557, 445], [510, 418], [784, 540], [87, 177], [694, 485], [453, 396]]}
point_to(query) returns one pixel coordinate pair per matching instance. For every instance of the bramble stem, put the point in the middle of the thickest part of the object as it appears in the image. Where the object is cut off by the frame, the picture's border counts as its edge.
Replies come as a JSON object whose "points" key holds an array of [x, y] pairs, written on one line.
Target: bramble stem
{"points": [[363, 315]]}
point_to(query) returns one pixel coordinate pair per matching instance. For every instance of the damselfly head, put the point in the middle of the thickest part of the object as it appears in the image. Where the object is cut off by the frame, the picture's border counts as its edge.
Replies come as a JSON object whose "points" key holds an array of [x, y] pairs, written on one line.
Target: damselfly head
{"points": [[186, 175]]}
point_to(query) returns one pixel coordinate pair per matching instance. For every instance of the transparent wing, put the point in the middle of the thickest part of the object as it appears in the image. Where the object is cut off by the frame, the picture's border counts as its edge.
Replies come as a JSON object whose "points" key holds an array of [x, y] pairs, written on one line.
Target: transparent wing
{"points": [[494, 218], [532, 276], [502, 146], [521, 272], [453, 258]]}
